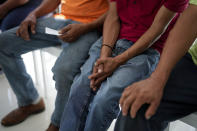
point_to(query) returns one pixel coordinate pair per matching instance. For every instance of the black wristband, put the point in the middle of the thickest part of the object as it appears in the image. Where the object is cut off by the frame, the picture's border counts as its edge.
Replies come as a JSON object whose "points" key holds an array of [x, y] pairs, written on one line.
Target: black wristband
{"points": [[108, 46]]}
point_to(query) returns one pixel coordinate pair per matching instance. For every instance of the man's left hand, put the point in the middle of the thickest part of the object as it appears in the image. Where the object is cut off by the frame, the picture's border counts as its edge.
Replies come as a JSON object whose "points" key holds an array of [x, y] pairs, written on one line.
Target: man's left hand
{"points": [[147, 91], [72, 32], [103, 68]]}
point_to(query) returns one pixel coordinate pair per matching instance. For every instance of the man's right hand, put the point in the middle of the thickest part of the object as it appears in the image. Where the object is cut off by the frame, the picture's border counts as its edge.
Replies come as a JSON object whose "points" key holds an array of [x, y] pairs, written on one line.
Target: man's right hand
{"points": [[28, 23]]}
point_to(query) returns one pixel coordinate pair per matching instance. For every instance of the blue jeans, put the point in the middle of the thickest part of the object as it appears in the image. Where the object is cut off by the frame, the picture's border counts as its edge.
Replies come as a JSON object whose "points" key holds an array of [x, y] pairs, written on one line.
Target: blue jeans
{"points": [[15, 16], [179, 100], [89, 111], [66, 67]]}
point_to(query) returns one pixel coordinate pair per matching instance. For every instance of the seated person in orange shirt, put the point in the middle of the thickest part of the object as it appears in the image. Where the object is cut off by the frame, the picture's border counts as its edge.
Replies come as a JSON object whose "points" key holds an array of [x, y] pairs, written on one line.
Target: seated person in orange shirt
{"points": [[77, 33]]}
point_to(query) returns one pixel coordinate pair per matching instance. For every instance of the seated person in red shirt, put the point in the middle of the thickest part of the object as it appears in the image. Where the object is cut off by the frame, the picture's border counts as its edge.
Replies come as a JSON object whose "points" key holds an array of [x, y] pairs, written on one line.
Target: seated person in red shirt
{"points": [[171, 95], [133, 38]]}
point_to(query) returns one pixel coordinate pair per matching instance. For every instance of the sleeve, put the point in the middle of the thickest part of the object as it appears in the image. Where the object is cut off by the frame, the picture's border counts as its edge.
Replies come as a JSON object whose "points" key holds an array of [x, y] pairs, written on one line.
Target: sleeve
{"points": [[193, 2], [176, 5]]}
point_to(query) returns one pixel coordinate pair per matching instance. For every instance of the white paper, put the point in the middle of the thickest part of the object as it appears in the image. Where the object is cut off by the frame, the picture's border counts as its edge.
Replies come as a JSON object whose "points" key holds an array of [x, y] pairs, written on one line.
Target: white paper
{"points": [[51, 31]]}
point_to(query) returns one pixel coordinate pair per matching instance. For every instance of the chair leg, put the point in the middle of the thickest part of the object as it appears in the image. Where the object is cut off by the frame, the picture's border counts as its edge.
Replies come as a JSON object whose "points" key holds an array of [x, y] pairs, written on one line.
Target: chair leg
{"points": [[44, 72], [35, 61]]}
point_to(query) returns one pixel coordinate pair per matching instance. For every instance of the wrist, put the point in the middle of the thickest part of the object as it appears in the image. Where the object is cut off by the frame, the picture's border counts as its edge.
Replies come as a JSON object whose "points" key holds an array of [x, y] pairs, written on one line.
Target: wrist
{"points": [[121, 59], [162, 77], [117, 61], [105, 52], [34, 14]]}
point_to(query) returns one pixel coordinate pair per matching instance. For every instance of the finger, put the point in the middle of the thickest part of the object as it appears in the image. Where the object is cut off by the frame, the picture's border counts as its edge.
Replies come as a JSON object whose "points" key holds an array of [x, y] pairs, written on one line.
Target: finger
{"points": [[65, 29], [91, 83], [96, 75], [136, 106], [127, 91], [33, 27], [17, 32], [95, 70], [151, 110], [99, 80], [127, 104], [64, 37], [95, 88], [100, 68], [24, 32]]}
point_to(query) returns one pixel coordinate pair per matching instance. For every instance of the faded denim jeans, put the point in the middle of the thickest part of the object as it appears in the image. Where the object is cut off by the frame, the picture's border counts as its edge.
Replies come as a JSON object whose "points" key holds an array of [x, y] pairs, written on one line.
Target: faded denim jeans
{"points": [[66, 67], [89, 111]]}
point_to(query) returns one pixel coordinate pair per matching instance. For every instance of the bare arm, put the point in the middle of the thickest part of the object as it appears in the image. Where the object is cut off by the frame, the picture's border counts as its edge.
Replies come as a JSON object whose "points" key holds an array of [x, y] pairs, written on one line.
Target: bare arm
{"points": [[111, 30], [10, 4], [159, 25], [180, 39], [46, 7]]}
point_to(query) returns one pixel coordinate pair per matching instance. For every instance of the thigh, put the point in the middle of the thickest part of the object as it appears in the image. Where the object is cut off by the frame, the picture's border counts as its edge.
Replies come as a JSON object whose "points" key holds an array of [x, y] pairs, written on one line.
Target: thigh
{"points": [[179, 100], [74, 54], [180, 93], [10, 43]]}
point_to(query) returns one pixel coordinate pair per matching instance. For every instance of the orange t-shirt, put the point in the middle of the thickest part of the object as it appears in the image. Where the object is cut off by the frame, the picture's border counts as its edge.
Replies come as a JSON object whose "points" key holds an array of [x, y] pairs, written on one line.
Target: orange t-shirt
{"points": [[83, 10]]}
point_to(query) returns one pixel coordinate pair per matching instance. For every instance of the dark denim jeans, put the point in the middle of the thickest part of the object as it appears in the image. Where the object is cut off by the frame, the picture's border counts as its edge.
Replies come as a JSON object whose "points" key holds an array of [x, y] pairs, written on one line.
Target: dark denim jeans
{"points": [[179, 100]]}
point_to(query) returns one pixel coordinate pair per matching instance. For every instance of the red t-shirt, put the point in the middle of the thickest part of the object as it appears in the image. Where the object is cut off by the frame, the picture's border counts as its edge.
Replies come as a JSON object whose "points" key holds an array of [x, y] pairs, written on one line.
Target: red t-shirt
{"points": [[136, 17]]}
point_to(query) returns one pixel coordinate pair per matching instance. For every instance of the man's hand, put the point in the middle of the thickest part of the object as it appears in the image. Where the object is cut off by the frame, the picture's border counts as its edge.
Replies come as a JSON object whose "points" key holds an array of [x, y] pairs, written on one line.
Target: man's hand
{"points": [[72, 32], [103, 68], [147, 91], [28, 23]]}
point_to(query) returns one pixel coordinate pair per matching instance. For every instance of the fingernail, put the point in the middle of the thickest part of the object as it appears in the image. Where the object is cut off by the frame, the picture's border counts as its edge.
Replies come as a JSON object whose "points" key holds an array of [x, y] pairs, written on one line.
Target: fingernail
{"points": [[148, 117], [99, 71], [95, 63]]}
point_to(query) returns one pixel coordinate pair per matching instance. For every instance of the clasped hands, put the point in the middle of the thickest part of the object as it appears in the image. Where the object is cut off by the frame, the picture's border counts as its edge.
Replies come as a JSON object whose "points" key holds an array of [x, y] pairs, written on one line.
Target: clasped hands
{"points": [[148, 91], [102, 69]]}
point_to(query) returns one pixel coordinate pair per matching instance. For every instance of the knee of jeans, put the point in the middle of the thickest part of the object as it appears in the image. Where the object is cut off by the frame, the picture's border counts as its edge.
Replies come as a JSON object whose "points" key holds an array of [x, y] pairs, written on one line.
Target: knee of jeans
{"points": [[6, 37], [63, 73], [106, 103]]}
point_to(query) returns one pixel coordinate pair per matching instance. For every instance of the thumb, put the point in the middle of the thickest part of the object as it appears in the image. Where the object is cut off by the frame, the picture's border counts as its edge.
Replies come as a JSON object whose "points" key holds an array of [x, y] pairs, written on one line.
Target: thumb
{"points": [[65, 29], [100, 61]]}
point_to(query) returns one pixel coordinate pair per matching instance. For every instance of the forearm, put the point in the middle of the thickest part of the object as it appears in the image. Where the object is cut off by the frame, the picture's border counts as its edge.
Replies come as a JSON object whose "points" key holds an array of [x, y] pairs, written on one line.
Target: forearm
{"points": [[46, 7], [11, 4], [180, 39], [159, 25], [111, 30]]}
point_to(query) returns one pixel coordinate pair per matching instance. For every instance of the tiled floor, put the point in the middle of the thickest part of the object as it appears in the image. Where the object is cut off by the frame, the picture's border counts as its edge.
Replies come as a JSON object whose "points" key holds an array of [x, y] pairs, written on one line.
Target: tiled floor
{"points": [[40, 122]]}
